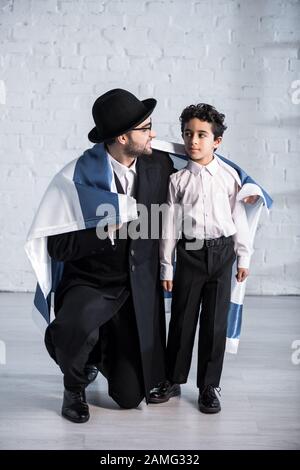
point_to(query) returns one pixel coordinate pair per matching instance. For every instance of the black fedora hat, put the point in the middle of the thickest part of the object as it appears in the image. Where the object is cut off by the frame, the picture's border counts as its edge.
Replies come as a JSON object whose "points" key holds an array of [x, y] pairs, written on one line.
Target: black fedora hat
{"points": [[116, 112]]}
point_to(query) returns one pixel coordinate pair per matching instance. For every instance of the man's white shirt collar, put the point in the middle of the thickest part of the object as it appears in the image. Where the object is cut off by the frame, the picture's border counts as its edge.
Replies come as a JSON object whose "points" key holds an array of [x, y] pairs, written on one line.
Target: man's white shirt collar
{"points": [[121, 169]]}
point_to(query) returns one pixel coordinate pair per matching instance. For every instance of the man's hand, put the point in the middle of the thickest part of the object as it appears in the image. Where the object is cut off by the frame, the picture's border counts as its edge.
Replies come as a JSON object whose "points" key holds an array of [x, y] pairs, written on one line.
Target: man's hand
{"points": [[251, 199], [167, 285], [242, 274]]}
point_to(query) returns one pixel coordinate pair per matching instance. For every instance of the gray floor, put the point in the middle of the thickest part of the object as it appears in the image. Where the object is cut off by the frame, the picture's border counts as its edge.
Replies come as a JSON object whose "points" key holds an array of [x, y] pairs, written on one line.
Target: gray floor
{"points": [[260, 392]]}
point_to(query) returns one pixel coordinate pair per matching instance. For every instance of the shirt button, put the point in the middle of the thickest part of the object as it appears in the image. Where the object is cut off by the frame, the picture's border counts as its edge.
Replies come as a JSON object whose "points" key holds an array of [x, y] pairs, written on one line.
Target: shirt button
{"points": [[132, 268], [132, 252]]}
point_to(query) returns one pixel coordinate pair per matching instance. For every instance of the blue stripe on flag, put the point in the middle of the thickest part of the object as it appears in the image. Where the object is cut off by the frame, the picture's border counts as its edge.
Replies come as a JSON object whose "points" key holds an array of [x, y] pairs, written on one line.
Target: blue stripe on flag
{"points": [[90, 199], [234, 320], [57, 268], [42, 304], [92, 178], [93, 168]]}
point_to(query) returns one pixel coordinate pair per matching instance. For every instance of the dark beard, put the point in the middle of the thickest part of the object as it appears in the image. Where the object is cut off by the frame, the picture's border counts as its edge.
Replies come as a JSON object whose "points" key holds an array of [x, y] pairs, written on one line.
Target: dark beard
{"points": [[134, 151]]}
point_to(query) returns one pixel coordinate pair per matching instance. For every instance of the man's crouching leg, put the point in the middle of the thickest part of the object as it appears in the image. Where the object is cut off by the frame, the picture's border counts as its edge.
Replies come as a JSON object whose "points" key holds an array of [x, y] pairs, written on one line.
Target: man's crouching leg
{"points": [[75, 407], [126, 399]]}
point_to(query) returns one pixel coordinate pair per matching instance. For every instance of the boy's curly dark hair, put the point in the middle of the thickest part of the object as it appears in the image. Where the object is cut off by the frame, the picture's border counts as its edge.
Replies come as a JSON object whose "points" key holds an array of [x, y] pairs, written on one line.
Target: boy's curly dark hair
{"points": [[204, 112]]}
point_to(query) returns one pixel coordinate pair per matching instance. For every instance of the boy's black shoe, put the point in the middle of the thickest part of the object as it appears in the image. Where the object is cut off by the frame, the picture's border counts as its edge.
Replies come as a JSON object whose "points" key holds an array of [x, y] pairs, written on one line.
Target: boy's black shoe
{"points": [[208, 400], [91, 372], [75, 407], [164, 391]]}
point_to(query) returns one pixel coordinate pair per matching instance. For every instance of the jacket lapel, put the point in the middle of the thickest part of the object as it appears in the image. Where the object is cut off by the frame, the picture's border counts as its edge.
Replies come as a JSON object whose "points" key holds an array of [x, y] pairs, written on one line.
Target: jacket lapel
{"points": [[147, 177]]}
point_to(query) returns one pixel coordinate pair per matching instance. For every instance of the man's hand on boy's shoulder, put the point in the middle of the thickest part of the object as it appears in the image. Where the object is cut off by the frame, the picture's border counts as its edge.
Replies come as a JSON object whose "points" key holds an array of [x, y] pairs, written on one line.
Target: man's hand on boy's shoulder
{"points": [[251, 199], [242, 274]]}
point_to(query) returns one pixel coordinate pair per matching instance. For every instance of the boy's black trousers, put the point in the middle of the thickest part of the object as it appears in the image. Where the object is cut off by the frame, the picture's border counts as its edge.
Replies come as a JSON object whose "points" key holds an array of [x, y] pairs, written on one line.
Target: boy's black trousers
{"points": [[202, 277]]}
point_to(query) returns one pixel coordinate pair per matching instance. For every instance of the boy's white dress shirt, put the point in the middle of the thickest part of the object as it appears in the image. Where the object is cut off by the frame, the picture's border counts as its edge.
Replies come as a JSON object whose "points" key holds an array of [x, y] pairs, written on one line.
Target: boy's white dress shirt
{"points": [[208, 196]]}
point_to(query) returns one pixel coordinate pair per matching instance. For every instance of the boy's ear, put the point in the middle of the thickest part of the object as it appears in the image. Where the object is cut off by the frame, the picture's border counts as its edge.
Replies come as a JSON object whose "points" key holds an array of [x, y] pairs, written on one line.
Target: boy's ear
{"points": [[217, 142]]}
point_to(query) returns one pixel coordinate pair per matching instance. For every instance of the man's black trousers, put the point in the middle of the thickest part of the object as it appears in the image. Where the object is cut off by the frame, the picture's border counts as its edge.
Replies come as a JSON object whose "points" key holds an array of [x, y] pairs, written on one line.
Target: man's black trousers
{"points": [[114, 347]]}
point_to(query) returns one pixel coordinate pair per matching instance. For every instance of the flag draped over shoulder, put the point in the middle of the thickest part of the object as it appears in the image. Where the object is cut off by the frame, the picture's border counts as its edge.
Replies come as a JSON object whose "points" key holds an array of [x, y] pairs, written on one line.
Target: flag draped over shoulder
{"points": [[72, 200], [70, 203], [248, 188]]}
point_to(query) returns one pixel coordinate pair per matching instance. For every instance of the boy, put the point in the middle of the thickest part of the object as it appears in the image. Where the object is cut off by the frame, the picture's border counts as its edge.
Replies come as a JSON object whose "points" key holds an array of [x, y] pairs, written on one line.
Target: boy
{"points": [[214, 232]]}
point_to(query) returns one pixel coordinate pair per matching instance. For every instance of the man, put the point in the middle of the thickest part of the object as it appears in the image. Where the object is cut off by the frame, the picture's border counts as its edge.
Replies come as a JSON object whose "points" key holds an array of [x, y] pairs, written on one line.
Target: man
{"points": [[109, 303]]}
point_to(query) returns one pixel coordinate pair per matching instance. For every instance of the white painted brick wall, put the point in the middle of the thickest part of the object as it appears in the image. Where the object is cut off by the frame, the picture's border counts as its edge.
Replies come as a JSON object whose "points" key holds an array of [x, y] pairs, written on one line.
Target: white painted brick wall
{"points": [[57, 56]]}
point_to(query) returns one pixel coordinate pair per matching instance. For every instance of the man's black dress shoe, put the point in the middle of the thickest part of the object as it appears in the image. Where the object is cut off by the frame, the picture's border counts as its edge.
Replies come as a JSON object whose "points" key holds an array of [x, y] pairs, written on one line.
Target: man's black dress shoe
{"points": [[208, 400], [75, 407], [163, 392], [90, 372]]}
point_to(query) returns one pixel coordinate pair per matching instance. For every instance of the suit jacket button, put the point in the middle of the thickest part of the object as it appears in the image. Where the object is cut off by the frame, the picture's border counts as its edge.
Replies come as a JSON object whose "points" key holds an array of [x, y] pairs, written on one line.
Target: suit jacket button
{"points": [[132, 268], [132, 252]]}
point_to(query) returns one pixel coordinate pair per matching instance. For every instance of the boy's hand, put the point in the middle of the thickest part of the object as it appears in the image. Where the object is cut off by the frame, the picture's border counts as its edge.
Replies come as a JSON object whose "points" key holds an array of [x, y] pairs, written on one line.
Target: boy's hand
{"points": [[167, 285], [251, 199], [242, 273]]}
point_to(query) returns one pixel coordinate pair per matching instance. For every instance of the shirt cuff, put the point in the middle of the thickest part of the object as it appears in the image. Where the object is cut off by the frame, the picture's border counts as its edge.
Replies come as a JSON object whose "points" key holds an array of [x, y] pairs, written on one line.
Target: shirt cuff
{"points": [[127, 208], [166, 272], [243, 262]]}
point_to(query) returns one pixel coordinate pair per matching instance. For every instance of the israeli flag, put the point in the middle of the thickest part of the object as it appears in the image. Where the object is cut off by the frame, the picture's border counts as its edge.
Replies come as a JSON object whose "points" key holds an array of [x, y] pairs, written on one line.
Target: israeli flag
{"points": [[70, 203]]}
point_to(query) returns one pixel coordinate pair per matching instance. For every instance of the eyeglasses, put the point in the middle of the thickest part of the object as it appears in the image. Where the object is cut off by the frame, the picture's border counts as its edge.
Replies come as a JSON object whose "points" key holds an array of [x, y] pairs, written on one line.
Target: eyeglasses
{"points": [[146, 128]]}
